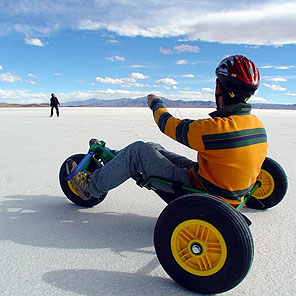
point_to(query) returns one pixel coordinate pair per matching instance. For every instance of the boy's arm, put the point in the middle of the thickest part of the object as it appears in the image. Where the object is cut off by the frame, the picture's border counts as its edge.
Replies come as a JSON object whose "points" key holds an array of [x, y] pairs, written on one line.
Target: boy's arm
{"points": [[175, 128]]}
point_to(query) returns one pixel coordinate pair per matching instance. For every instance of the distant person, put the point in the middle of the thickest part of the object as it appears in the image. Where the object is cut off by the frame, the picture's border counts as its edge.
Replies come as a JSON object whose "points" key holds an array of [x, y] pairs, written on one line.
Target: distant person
{"points": [[231, 145], [54, 103]]}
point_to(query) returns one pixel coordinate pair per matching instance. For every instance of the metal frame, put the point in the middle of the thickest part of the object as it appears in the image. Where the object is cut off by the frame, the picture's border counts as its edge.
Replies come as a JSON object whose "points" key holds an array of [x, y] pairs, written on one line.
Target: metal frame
{"points": [[99, 150]]}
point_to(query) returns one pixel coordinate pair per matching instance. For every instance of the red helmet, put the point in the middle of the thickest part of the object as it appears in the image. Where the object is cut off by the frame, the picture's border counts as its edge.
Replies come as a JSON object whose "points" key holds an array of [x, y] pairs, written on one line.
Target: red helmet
{"points": [[238, 76]]}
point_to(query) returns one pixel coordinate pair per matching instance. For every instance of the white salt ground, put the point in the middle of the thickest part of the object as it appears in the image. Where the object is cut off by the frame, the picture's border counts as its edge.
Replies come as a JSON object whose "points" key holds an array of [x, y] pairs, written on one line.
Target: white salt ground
{"points": [[51, 247]]}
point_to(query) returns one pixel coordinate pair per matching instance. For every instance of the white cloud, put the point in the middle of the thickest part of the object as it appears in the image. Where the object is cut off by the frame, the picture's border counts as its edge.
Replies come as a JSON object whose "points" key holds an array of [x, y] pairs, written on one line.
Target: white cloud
{"points": [[252, 46], [112, 41], [134, 84], [204, 94], [34, 41], [166, 51], [210, 21], [9, 77], [186, 48], [32, 75], [190, 92], [137, 66], [115, 59], [182, 62], [56, 74], [1, 68], [207, 89], [103, 94], [167, 81], [284, 67], [274, 87], [91, 25], [256, 99], [109, 80], [188, 76], [124, 82], [291, 94], [22, 96], [191, 95], [179, 49], [277, 79], [31, 82], [278, 67], [137, 75]]}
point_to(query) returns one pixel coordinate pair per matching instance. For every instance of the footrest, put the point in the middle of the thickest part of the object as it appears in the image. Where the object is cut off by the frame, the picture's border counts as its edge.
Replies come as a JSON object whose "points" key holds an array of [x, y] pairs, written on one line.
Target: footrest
{"points": [[79, 166]]}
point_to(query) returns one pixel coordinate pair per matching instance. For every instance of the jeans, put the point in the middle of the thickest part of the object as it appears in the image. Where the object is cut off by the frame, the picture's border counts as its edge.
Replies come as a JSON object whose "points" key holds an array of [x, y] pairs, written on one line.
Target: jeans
{"points": [[51, 110], [149, 159]]}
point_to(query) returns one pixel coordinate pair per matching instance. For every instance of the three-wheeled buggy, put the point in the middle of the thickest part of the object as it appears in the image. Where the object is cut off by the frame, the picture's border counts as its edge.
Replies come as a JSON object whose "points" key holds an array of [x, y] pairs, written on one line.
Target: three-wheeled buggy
{"points": [[201, 241]]}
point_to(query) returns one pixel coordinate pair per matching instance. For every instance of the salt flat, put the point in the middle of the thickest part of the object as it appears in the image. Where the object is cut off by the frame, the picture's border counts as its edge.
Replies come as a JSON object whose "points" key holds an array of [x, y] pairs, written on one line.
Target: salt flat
{"points": [[51, 247]]}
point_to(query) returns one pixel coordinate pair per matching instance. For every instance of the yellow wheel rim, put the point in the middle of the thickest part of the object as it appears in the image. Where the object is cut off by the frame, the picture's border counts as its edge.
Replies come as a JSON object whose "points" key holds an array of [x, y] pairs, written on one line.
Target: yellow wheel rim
{"points": [[72, 188], [267, 185], [198, 247]]}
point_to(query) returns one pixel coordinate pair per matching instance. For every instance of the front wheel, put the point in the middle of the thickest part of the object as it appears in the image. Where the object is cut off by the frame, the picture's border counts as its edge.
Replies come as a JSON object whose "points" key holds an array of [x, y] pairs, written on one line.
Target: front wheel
{"points": [[70, 191], [203, 244], [273, 186]]}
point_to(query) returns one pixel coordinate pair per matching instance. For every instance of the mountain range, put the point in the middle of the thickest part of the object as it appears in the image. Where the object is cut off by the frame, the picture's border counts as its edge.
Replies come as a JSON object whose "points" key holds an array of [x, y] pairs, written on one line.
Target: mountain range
{"points": [[142, 102], [139, 102]]}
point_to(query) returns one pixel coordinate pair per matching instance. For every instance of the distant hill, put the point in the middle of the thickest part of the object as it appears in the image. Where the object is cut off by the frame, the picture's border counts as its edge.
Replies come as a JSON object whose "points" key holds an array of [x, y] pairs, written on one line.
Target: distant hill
{"points": [[8, 105], [274, 106], [142, 102]]}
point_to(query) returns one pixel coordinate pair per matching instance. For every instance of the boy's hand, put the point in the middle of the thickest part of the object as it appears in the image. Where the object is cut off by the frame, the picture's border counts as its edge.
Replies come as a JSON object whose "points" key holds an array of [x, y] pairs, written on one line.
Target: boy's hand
{"points": [[150, 98]]}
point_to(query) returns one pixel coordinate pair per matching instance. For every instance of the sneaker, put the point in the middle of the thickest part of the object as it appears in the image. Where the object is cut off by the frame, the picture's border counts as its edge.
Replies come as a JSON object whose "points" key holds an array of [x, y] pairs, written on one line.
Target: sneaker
{"points": [[81, 180]]}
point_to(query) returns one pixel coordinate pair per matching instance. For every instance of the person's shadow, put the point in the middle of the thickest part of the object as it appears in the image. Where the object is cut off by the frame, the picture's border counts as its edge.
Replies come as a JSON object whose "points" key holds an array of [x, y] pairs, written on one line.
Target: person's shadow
{"points": [[48, 221]]}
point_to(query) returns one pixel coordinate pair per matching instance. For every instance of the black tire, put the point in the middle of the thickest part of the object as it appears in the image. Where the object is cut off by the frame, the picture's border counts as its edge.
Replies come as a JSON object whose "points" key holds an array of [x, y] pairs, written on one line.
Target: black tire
{"points": [[195, 223], [70, 192], [274, 185]]}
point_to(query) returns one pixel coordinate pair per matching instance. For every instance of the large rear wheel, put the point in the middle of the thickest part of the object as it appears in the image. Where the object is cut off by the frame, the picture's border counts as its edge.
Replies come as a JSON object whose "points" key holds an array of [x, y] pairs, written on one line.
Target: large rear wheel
{"points": [[203, 244]]}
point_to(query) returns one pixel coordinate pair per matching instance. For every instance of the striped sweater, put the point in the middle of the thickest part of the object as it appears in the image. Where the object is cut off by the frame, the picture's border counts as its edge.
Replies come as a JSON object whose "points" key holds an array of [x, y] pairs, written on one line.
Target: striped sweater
{"points": [[231, 145]]}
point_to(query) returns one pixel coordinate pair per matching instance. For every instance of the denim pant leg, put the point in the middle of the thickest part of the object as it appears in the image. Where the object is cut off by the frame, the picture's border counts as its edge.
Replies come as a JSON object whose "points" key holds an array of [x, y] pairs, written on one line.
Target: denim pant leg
{"points": [[138, 157], [179, 160]]}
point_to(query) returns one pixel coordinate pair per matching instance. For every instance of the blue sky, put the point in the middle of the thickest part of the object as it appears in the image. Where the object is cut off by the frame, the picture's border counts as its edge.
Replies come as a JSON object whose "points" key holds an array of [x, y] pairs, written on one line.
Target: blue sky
{"points": [[109, 49]]}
